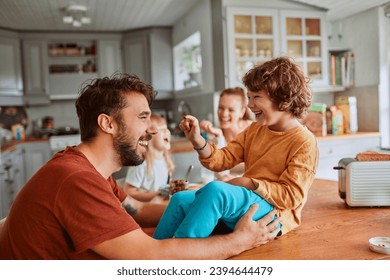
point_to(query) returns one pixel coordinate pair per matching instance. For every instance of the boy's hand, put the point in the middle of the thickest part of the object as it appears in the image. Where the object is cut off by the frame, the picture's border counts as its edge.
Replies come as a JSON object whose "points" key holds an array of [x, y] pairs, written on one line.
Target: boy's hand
{"points": [[190, 126]]}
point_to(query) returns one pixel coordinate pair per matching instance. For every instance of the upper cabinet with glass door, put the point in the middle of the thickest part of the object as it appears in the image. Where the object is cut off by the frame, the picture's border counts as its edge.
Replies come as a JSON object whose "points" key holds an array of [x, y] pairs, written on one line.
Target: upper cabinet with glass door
{"points": [[254, 35], [304, 38]]}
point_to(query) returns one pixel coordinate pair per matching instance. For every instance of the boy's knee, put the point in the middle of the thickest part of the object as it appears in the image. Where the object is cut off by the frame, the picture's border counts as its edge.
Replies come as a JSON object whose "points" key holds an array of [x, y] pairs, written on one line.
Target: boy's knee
{"points": [[183, 197], [213, 188]]}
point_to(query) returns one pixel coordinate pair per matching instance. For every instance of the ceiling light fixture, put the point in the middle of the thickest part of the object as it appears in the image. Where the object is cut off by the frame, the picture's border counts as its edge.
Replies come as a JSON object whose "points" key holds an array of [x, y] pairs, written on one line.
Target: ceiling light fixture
{"points": [[76, 15]]}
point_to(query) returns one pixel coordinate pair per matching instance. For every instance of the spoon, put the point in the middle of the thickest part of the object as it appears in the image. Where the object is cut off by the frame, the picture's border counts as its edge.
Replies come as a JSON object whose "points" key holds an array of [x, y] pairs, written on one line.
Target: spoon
{"points": [[189, 171]]}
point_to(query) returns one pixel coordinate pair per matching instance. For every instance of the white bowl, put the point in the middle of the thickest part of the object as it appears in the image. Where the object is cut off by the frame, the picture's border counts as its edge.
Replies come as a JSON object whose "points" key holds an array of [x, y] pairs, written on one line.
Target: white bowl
{"points": [[380, 244]]}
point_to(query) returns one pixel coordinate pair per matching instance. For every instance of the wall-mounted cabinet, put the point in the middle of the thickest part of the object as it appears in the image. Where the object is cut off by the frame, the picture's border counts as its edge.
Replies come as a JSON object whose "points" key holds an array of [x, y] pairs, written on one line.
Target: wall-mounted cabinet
{"points": [[10, 67], [36, 83], [304, 39], [55, 67], [70, 63], [109, 58], [253, 38], [148, 54], [256, 35]]}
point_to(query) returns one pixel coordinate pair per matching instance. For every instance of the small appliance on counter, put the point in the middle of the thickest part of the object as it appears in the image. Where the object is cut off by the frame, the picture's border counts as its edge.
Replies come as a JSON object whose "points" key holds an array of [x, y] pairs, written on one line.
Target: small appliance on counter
{"points": [[45, 128], [60, 142], [364, 182]]}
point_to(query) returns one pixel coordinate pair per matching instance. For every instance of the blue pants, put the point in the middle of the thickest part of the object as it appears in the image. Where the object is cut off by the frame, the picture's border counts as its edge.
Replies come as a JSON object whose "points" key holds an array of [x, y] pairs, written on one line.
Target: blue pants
{"points": [[196, 213]]}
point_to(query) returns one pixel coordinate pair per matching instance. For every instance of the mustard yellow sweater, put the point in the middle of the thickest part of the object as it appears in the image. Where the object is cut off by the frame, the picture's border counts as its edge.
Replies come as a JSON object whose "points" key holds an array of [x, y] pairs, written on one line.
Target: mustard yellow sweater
{"points": [[283, 164]]}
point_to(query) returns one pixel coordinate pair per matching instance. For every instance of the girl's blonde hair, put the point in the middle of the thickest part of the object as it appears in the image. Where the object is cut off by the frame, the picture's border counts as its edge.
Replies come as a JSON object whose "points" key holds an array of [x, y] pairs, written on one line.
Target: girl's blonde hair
{"points": [[149, 157]]}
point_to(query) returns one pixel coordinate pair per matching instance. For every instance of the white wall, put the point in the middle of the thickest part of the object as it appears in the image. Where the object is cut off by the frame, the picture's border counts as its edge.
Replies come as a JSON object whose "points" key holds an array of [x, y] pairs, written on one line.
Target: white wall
{"points": [[367, 35], [384, 84], [360, 33]]}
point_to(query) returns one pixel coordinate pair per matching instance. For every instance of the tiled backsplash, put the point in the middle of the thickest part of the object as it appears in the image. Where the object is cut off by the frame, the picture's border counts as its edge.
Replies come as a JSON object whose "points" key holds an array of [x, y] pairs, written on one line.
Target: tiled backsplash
{"points": [[367, 106], [63, 113]]}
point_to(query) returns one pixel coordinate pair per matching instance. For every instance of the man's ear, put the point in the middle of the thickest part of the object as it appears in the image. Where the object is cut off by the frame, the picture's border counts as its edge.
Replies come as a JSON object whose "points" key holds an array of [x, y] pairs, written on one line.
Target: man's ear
{"points": [[105, 123]]}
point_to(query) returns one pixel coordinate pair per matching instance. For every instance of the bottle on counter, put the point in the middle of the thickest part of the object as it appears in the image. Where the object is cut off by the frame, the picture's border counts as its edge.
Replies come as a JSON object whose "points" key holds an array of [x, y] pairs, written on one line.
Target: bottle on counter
{"points": [[18, 132], [337, 120]]}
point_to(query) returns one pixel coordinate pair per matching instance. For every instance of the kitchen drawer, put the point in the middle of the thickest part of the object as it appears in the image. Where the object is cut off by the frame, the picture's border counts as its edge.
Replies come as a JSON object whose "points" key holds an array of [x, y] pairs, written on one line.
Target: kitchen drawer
{"points": [[333, 150], [349, 147]]}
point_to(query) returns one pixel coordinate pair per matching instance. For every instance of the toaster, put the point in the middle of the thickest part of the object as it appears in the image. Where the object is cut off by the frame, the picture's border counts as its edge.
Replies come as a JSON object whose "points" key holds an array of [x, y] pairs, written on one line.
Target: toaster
{"points": [[364, 183]]}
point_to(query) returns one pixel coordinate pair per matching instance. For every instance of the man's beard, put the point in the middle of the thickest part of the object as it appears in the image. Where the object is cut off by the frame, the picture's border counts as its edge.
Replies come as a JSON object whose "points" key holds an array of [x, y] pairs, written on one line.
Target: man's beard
{"points": [[127, 153]]}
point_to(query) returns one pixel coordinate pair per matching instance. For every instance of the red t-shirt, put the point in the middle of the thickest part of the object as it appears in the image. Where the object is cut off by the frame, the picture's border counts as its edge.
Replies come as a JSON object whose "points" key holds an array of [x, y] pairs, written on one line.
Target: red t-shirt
{"points": [[66, 208]]}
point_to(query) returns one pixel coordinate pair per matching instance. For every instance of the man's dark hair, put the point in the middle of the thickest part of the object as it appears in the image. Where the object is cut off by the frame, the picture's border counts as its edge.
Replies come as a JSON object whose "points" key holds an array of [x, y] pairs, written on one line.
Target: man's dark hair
{"points": [[107, 96]]}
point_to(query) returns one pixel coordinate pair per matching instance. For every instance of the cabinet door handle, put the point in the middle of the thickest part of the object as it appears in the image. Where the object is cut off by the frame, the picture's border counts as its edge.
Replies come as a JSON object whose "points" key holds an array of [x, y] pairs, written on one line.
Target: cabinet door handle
{"points": [[7, 174]]}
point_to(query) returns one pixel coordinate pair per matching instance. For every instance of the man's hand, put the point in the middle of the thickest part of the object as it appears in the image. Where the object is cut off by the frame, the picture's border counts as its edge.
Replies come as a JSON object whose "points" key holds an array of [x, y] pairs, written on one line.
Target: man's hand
{"points": [[256, 233]]}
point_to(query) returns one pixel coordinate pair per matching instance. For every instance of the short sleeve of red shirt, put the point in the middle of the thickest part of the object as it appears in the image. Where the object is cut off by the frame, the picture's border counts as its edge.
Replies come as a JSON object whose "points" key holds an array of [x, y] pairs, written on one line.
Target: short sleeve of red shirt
{"points": [[90, 208]]}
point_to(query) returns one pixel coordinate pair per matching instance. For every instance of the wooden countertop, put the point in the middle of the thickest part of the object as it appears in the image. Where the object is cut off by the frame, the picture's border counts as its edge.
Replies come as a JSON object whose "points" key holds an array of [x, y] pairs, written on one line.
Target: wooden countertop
{"points": [[181, 145], [11, 144], [330, 230]]}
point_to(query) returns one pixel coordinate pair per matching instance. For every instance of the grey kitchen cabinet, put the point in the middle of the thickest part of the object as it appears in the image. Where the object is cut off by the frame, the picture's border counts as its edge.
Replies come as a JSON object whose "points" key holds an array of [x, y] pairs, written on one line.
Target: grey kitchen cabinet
{"points": [[71, 62], [36, 154], [148, 54], [11, 84], [18, 178], [11, 178], [36, 84], [56, 65], [17, 166], [6, 194], [109, 57]]}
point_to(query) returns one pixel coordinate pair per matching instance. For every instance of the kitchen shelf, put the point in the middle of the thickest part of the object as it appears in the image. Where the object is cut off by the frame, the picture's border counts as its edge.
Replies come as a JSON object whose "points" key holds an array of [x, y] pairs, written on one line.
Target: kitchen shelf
{"points": [[327, 89], [67, 58], [71, 49]]}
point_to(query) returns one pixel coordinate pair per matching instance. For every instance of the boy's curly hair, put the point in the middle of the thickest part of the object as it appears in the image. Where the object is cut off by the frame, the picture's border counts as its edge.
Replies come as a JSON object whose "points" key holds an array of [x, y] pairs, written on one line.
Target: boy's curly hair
{"points": [[284, 82]]}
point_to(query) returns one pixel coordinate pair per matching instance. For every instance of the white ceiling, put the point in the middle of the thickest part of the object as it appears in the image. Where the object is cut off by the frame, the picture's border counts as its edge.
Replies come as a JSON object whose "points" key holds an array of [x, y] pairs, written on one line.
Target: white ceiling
{"points": [[338, 9], [120, 15], [107, 15]]}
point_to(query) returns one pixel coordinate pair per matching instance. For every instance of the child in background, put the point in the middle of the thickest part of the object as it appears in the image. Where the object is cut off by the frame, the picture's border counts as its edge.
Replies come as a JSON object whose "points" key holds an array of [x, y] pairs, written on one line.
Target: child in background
{"points": [[233, 116], [280, 155], [144, 182]]}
